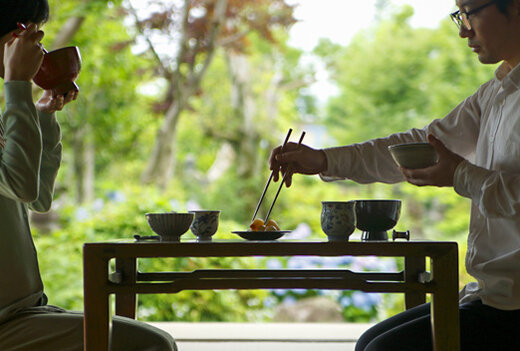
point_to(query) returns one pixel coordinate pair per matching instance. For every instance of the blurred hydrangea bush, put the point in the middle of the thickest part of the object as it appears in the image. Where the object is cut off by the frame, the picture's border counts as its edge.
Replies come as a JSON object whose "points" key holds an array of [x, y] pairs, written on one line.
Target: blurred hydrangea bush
{"points": [[357, 306]]}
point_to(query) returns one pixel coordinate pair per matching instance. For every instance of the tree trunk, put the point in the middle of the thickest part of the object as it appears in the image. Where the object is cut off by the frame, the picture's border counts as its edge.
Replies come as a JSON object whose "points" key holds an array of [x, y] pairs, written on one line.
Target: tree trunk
{"points": [[161, 164], [89, 169], [244, 109], [162, 160], [83, 165], [67, 32]]}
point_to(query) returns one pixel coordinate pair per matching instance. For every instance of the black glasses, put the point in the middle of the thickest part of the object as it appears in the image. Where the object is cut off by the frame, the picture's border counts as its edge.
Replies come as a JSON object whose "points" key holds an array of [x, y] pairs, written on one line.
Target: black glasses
{"points": [[461, 18]]}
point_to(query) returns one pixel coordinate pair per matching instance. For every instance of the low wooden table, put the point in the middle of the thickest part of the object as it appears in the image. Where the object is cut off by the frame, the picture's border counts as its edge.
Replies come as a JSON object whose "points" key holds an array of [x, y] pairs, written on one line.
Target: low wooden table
{"points": [[126, 281]]}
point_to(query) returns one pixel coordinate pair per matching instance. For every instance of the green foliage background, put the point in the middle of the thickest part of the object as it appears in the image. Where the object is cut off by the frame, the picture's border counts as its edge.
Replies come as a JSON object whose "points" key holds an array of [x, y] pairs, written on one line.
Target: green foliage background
{"points": [[391, 77]]}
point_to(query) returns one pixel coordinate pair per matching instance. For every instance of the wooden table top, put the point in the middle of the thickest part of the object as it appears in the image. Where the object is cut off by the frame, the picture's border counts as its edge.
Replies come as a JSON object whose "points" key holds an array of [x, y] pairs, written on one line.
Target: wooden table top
{"points": [[237, 248]]}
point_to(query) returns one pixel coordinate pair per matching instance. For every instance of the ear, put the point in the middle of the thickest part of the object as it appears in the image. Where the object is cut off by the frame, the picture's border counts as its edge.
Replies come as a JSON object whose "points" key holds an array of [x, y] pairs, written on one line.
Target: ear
{"points": [[514, 8]]}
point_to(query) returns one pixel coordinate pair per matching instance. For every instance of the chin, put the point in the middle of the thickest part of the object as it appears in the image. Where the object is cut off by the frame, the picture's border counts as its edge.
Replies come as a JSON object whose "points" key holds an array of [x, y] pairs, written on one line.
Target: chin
{"points": [[488, 60]]}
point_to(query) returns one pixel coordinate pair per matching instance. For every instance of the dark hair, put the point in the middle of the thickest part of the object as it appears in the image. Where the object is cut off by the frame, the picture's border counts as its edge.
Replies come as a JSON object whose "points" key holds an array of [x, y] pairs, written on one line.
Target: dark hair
{"points": [[24, 11], [503, 5]]}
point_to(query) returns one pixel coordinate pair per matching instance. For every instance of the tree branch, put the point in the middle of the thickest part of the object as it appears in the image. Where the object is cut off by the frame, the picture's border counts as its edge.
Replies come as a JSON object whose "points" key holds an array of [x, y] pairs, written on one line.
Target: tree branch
{"points": [[218, 19], [162, 67]]}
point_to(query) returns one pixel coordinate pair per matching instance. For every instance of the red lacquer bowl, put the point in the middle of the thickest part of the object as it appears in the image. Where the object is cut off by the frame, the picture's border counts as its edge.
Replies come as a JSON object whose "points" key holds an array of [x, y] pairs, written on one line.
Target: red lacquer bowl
{"points": [[59, 70]]}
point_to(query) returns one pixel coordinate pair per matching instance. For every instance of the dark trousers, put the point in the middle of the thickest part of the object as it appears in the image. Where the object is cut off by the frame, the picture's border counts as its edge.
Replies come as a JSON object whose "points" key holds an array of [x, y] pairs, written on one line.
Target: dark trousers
{"points": [[481, 328]]}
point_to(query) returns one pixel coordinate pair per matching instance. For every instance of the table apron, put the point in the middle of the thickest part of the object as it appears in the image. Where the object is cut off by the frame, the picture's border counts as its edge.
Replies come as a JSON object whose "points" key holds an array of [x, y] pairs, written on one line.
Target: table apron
{"points": [[270, 273], [271, 283]]}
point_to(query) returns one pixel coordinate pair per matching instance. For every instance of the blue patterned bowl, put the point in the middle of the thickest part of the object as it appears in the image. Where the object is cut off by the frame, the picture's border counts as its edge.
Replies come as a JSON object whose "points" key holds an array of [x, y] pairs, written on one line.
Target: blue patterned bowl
{"points": [[205, 223], [169, 225], [338, 219]]}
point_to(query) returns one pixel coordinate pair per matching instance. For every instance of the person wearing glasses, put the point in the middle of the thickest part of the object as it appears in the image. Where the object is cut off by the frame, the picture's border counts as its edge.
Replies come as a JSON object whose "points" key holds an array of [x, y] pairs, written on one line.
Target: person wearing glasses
{"points": [[478, 144], [30, 156]]}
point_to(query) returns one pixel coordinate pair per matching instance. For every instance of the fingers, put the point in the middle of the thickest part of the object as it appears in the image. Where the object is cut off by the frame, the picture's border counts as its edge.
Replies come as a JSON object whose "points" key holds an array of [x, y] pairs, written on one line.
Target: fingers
{"points": [[288, 178], [438, 145], [277, 160], [57, 103], [70, 96], [273, 163], [419, 177], [288, 155], [31, 31]]}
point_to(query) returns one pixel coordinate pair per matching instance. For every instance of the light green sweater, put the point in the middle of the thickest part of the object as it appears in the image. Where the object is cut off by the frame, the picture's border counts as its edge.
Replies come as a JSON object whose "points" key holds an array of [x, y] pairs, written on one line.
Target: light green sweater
{"points": [[29, 162]]}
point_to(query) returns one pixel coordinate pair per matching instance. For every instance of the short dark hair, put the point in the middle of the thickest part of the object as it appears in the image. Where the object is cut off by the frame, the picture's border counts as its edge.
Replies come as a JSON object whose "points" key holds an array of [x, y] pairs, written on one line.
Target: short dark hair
{"points": [[24, 11], [503, 5]]}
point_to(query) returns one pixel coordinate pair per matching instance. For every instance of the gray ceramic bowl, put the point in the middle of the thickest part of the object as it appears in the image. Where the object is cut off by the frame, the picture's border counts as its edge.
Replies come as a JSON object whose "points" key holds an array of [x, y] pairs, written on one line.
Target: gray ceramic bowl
{"points": [[338, 219], [170, 225], [414, 155]]}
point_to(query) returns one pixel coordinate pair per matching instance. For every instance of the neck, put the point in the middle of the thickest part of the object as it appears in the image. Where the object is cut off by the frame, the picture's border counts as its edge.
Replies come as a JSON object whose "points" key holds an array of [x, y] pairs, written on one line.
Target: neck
{"points": [[512, 63]]}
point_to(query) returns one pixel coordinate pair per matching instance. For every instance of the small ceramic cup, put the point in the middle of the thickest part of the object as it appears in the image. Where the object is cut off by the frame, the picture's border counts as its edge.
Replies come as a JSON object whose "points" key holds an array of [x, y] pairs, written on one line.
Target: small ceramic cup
{"points": [[205, 224], [338, 219]]}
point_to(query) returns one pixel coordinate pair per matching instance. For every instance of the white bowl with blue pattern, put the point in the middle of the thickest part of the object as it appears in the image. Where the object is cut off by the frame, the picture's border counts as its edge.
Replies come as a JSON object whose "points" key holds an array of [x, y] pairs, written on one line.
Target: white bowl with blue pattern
{"points": [[205, 224], [338, 219]]}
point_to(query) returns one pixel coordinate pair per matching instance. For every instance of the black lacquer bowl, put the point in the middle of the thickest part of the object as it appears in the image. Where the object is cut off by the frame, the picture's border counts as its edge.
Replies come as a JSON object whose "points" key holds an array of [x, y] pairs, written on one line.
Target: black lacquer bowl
{"points": [[375, 217]]}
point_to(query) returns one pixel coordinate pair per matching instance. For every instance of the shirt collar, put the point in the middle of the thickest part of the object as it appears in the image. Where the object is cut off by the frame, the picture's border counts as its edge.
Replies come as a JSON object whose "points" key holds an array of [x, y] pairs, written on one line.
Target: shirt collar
{"points": [[505, 74]]}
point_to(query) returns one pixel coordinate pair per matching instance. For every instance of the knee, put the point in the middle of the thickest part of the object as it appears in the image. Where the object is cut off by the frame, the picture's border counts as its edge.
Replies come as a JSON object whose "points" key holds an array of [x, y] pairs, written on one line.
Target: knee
{"points": [[363, 341], [162, 341], [381, 344], [129, 335]]}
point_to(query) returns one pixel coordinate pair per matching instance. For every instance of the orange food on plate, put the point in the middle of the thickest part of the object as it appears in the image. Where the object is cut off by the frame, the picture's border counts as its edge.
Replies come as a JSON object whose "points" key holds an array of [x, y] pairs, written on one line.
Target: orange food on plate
{"points": [[258, 225], [272, 223]]}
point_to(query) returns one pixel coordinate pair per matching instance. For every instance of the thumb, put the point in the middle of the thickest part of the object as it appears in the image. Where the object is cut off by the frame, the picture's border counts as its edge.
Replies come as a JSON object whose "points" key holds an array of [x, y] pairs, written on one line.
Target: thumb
{"points": [[286, 157], [10, 42], [436, 143]]}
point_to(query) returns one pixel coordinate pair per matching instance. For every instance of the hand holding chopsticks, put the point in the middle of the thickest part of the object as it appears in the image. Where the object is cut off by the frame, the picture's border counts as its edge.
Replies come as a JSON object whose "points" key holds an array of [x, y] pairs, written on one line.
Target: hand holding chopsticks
{"points": [[282, 182], [270, 178]]}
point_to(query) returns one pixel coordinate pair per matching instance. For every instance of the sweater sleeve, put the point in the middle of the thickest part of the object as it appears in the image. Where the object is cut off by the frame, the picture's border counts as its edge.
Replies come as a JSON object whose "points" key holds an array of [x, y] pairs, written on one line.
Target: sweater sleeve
{"points": [[22, 144], [50, 161]]}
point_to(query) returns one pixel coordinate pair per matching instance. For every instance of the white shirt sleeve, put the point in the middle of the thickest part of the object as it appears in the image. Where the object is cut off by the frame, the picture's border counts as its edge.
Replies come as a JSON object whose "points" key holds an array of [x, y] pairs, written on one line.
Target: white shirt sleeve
{"points": [[371, 161]]}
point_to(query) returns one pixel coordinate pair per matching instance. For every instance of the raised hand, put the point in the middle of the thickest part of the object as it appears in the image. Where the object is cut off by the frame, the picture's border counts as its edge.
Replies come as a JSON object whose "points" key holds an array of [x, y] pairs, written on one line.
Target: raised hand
{"points": [[23, 54], [440, 174]]}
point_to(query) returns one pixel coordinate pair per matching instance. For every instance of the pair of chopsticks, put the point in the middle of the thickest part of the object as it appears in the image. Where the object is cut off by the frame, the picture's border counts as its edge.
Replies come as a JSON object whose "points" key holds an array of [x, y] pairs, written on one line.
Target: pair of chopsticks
{"points": [[271, 177]]}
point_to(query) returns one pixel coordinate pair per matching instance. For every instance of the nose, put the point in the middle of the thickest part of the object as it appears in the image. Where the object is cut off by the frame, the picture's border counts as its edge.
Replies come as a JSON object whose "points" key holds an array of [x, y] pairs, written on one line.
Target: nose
{"points": [[465, 33]]}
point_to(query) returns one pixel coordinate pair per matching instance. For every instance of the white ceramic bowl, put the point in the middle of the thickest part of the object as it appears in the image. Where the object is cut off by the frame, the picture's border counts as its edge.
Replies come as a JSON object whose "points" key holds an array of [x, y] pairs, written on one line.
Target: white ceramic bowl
{"points": [[414, 155], [170, 225]]}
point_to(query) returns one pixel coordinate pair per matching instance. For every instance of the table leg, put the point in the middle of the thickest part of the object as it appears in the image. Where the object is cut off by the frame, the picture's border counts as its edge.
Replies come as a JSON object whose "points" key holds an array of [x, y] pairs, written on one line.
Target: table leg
{"points": [[413, 266], [126, 302], [445, 304], [96, 321]]}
